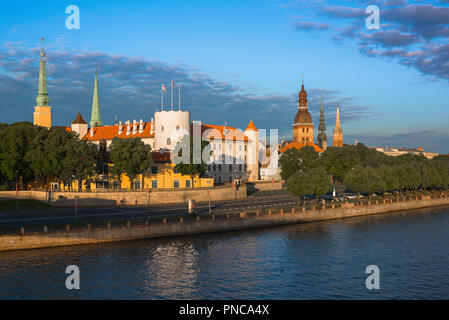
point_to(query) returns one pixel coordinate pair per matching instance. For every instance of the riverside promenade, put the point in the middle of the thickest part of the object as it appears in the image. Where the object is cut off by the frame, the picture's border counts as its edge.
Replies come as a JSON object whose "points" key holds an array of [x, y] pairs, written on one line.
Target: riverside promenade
{"points": [[191, 225]]}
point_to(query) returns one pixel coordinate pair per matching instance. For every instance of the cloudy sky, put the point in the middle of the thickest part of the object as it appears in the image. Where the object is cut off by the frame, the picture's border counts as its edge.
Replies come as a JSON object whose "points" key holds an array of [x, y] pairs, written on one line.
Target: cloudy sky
{"points": [[238, 60]]}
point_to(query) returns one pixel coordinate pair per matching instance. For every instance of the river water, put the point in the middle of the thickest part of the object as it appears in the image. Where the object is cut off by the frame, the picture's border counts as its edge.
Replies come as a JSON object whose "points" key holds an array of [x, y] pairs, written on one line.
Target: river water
{"points": [[320, 260]]}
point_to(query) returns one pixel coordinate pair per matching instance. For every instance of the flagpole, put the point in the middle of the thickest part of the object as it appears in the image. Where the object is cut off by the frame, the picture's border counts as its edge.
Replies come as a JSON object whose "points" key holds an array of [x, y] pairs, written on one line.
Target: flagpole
{"points": [[172, 95], [179, 95], [162, 98]]}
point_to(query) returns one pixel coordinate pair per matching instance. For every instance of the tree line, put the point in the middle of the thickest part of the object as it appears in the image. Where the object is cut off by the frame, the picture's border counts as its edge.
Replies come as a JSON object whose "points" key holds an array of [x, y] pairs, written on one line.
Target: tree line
{"points": [[361, 170], [33, 155]]}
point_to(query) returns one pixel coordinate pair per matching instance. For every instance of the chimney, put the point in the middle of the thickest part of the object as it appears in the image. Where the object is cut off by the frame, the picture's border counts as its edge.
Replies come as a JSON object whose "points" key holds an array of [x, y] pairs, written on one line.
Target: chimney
{"points": [[91, 132], [141, 126], [152, 126], [128, 128], [120, 128], [134, 127]]}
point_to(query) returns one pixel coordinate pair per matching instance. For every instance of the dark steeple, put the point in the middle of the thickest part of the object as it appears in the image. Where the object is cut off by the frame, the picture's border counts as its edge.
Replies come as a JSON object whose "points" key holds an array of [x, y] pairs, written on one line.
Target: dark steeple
{"points": [[322, 137]]}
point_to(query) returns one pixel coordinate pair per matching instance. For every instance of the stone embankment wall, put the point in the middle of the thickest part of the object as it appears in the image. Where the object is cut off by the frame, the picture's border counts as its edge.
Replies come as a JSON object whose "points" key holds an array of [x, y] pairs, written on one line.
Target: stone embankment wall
{"points": [[130, 198], [205, 224]]}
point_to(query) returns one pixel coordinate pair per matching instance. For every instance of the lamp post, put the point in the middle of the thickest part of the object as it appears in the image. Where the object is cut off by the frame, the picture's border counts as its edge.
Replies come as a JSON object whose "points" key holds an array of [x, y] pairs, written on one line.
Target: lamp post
{"points": [[17, 190]]}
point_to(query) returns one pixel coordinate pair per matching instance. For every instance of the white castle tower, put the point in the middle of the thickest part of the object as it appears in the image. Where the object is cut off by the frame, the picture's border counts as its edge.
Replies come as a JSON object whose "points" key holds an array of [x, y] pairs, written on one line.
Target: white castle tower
{"points": [[253, 151], [170, 127]]}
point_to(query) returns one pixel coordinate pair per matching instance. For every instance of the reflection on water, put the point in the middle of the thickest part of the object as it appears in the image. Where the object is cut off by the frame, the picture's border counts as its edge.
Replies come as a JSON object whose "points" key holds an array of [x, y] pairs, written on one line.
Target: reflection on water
{"points": [[306, 261]]}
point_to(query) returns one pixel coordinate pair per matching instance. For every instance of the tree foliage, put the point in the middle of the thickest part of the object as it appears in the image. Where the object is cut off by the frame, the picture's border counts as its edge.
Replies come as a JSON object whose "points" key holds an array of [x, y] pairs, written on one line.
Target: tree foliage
{"points": [[190, 161], [364, 169], [130, 156]]}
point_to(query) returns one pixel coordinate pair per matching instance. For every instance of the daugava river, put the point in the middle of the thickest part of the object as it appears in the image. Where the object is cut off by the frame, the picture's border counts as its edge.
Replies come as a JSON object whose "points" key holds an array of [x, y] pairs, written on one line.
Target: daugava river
{"points": [[320, 260]]}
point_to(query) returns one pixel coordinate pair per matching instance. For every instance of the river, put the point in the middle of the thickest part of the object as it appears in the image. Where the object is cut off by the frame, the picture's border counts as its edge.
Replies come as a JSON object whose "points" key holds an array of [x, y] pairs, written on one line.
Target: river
{"points": [[319, 260]]}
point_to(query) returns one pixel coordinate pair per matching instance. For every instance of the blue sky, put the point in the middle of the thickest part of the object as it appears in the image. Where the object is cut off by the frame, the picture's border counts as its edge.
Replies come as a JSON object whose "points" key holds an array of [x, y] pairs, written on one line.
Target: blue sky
{"points": [[238, 60]]}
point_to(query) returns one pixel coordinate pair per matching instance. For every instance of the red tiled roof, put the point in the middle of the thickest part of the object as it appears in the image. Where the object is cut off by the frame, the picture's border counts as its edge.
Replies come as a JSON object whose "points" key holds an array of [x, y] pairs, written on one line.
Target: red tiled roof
{"points": [[299, 145], [79, 119], [110, 132], [251, 127], [231, 133], [161, 157]]}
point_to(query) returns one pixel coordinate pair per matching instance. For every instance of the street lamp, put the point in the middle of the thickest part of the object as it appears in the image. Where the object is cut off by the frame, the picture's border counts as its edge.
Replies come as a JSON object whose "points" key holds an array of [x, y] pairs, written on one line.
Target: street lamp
{"points": [[17, 190]]}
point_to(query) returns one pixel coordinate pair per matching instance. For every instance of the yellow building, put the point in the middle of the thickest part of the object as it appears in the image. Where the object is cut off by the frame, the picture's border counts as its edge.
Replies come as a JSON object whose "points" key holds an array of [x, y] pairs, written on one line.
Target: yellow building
{"points": [[161, 175]]}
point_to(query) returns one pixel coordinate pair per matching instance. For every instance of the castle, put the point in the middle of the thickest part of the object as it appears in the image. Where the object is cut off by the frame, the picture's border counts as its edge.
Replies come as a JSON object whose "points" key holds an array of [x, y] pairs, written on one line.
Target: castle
{"points": [[235, 153]]}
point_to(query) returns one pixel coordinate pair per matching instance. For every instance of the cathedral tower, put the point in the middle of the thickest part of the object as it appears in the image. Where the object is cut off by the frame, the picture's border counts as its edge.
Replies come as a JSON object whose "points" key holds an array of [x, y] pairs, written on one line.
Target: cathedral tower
{"points": [[338, 132], [303, 125], [42, 111], [95, 119], [322, 137]]}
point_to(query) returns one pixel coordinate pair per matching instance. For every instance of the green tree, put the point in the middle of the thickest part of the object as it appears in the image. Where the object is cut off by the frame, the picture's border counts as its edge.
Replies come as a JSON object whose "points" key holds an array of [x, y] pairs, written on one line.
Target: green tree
{"points": [[190, 161], [316, 181], [376, 184], [130, 156], [357, 179], [390, 177], [290, 163], [299, 184], [79, 162], [339, 161], [320, 181], [15, 140]]}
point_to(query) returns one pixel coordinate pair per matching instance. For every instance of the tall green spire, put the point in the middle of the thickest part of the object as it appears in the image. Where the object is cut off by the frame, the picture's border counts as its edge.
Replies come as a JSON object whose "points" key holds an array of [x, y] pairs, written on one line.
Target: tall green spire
{"points": [[42, 94], [95, 119]]}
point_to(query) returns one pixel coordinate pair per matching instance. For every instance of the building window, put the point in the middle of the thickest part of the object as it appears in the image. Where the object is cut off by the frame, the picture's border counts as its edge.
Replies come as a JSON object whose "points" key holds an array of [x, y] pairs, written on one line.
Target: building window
{"points": [[116, 185], [153, 170], [240, 147], [187, 183], [154, 184], [230, 147], [246, 148], [168, 141], [177, 128], [162, 128], [219, 167], [215, 168], [214, 146], [240, 167], [137, 184], [230, 167], [176, 184]]}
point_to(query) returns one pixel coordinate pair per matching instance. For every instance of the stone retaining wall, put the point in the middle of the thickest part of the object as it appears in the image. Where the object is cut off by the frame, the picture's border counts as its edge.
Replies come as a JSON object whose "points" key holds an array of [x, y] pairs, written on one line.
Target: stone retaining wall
{"points": [[130, 198], [202, 224]]}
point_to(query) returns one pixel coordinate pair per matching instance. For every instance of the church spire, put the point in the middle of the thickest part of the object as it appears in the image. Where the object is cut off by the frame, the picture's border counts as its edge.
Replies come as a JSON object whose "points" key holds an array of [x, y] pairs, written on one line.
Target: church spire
{"points": [[42, 94], [95, 119], [338, 132], [337, 122], [322, 137]]}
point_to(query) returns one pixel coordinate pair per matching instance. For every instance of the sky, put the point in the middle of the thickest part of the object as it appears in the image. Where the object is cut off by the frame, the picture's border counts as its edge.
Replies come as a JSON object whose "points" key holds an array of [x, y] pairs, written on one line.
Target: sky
{"points": [[237, 61]]}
